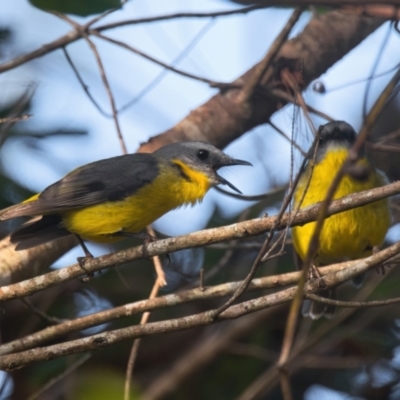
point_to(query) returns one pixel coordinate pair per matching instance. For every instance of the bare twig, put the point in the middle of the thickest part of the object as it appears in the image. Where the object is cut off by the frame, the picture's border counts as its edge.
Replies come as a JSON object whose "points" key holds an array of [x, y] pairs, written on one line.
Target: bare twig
{"points": [[261, 68], [47, 318], [257, 197], [15, 119], [283, 134], [136, 343], [191, 45], [83, 84], [75, 35], [156, 61], [18, 108], [167, 17], [385, 148], [356, 304], [373, 70], [280, 94], [290, 80], [61, 376]]}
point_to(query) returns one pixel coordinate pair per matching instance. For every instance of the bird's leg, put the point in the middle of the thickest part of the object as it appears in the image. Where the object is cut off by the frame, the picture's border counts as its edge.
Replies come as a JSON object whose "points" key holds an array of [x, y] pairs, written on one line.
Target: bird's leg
{"points": [[82, 260], [380, 269], [149, 239], [141, 236], [314, 273], [201, 284], [136, 235], [313, 309]]}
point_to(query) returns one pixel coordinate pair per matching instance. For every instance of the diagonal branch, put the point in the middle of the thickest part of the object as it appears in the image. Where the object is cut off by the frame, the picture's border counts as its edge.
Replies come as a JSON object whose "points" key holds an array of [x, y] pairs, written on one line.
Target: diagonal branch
{"points": [[170, 300]]}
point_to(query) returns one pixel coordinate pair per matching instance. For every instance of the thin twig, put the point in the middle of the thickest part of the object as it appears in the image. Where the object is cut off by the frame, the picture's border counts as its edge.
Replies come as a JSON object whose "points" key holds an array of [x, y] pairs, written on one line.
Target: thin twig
{"points": [[83, 84], [15, 119], [109, 93], [356, 304], [74, 366], [18, 107], [256, 197], [189, 47], [287, 97], [362, 80], [378, 58], [289, 80], [385, 148], [261, 68], [74, 35], [166, 17], [103, 75], [159, 282], [47, 318], [291, 141], [156, 61], [151, 85], [135, 348]]}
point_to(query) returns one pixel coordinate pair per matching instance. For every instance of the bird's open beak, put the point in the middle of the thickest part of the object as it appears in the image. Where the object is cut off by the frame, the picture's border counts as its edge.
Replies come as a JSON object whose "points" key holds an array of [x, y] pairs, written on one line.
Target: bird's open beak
{"points": [[230, 163]]}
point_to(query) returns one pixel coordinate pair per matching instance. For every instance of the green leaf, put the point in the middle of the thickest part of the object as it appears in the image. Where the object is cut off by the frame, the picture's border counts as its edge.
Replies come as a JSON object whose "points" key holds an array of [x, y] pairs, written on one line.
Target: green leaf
{"points": [[77, 7]]}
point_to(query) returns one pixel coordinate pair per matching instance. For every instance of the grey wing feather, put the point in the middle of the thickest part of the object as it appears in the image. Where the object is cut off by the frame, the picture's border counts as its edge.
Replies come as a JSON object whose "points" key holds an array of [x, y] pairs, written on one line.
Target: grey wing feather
{"points": [[112, 179]]}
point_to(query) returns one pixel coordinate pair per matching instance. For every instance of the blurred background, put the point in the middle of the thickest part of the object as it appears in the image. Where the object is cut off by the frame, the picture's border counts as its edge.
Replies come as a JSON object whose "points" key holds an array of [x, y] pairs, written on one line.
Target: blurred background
{"points": [[356, 355]]}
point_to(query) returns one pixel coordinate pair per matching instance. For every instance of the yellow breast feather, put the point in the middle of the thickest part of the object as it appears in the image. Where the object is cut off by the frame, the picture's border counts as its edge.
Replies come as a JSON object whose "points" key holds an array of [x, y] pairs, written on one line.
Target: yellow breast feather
{"points": [[347, 235], [168, 191]]}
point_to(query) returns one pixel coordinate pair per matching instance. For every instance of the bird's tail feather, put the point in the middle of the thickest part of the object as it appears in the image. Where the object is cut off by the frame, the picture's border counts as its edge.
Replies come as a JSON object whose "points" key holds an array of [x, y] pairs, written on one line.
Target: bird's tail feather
{"points": [[38, 232], [17, 210]]}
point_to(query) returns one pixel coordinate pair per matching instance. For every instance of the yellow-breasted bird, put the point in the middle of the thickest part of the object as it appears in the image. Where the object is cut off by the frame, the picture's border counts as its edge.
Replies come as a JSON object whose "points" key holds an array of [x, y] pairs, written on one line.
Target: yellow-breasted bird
{"points": [[348, 235], [108, 199]]}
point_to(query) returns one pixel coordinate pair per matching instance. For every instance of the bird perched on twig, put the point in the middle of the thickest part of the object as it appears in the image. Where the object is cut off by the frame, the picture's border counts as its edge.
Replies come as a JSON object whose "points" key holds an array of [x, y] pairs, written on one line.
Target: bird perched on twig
{"points": [[348, 235], [109, 199]]}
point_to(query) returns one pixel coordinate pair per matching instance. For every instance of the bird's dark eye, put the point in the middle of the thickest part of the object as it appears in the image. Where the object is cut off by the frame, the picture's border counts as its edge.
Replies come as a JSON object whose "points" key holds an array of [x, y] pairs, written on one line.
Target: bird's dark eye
{"points": [[203, 154]]}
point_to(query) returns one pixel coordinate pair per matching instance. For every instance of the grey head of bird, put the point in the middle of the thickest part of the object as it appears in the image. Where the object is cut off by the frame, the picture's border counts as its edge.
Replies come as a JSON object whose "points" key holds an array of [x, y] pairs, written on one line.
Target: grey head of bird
{"points": [[339, 132], [202, 157], [335, 135]]}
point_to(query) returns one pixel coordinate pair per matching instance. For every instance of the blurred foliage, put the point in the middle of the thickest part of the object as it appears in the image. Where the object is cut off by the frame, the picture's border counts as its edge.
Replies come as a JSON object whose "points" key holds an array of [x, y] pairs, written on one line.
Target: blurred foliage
{"points": [[102, 384], [5, 37], [82, 8]]}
